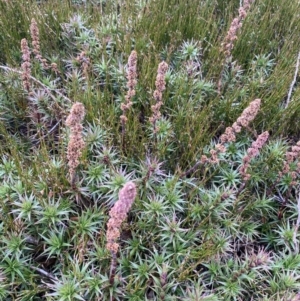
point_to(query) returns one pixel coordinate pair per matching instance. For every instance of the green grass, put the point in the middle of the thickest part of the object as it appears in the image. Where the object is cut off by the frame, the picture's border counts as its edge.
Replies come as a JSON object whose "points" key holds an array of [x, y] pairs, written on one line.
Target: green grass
{"points": [[202, 235]]}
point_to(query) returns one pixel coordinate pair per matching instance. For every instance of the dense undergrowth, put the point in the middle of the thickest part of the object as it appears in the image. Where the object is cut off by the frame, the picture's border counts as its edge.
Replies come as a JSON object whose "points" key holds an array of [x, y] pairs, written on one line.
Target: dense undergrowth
{"points": [[210, 145]]}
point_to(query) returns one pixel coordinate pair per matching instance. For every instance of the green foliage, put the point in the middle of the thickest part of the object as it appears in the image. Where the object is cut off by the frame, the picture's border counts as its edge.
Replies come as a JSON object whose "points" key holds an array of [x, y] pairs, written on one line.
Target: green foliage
{"points": [[197, 229]]}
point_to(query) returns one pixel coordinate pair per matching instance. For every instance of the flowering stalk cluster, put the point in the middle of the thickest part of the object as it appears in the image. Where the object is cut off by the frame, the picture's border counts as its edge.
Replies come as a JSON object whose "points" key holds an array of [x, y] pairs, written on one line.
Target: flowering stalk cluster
{"points": [[160, 85], [252, 152], [26, 66], [76, 143], [131, 84], [35, 36], [236, 24]]}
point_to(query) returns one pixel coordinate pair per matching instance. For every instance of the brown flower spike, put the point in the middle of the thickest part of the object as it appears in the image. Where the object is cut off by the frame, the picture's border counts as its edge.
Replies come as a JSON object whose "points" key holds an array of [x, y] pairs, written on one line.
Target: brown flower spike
{"points": [[252, 152], [230, 132], [84, 62], [246, 117], [131, 84], [291, 157], [118, 214], [35, 36], [26, 66], [76, 143], [236, 24], [160, 85]]}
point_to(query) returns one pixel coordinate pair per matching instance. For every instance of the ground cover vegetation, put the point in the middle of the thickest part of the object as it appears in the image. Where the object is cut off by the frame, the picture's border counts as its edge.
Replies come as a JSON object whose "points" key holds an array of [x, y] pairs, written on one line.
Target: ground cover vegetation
{"points": [[149, 150]]}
